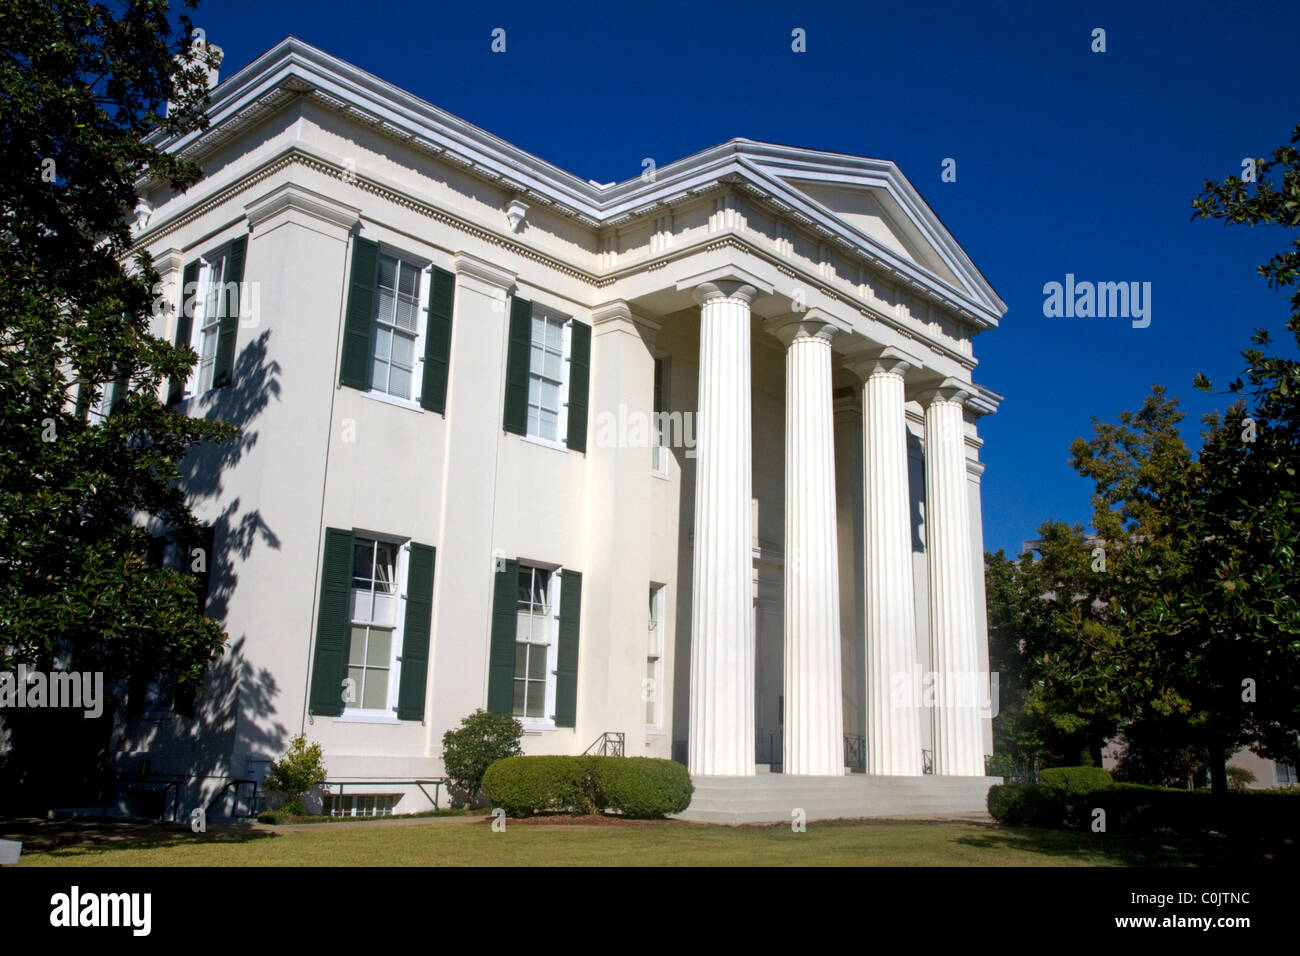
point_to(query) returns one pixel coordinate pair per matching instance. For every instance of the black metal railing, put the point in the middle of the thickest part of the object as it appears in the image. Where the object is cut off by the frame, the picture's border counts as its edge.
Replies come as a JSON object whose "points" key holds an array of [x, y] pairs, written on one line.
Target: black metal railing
{"points": [[608, 744], [1011, 769], [855, 752], [927, 761]]}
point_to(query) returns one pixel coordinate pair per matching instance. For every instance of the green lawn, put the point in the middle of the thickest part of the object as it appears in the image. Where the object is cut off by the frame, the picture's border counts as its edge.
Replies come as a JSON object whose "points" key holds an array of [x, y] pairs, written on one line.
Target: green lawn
{"points": [[883, 843]]}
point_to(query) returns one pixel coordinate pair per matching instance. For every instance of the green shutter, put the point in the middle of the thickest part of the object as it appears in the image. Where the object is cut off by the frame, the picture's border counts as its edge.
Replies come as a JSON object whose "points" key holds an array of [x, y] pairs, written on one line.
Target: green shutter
{"points": [[204, 541], [505, 626], [224, 364], [184, 324], [329, 666], [437, 341], [121, 385], [579, 376], [415, 637], [566, 657], [360, 316], [517, 358]]}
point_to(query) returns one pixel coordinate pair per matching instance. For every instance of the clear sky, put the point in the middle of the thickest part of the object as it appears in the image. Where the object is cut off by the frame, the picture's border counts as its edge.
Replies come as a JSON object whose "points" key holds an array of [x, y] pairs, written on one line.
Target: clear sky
{"points": [[1067, 161]]}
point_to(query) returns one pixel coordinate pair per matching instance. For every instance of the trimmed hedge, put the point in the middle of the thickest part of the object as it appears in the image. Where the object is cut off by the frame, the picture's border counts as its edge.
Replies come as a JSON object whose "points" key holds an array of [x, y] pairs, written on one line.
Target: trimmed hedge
{"points": [[1075, 779], [1137, 808], [642, 787]]}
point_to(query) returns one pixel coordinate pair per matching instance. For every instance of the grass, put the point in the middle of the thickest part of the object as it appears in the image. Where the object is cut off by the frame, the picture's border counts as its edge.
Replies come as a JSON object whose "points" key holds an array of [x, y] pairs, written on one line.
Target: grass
{"points": [[473, 843]]}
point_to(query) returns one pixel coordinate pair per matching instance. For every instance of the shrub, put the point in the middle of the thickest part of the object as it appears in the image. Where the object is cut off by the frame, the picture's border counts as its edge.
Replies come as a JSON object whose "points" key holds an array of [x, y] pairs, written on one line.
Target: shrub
{"points": [[643, 787], [1239, 778], [1025, 805], [467, 752], [296, 772], [1075, 779]]}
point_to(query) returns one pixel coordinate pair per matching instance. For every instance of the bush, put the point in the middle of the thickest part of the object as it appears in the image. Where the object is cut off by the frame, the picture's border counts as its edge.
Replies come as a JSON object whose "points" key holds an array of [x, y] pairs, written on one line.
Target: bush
{"points": [[1139, 808], [1239, 778], [1024, 805], [467, 752], [643, 787], [296, 772], [1075, 779]]}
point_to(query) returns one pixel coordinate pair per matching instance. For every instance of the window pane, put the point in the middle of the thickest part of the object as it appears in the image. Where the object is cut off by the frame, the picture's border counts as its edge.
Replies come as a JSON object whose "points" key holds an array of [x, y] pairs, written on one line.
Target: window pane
{"points": [[385, 559], [409, 282], [525, 585], [379, 375], [381, 646], [403, 351], [519, 698], [399, 382], [363, 556], [383, 342], [533, 428], [554, 366], [537, 662], [539, 330], [555, 335], [524, 629], [384, 307], [548, 425], [541, 584], [375, 696], [357, 675], [387, 272], [535, 359], [357, 646], [536, 699], [405, 317], [550, 395], [521, 660]]}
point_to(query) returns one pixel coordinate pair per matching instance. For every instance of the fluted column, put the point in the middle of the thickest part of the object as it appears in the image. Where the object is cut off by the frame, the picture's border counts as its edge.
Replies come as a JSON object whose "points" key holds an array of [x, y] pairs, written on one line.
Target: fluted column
{"points": [[722, 623], [893, 676], [814, 706], [954, 631]]}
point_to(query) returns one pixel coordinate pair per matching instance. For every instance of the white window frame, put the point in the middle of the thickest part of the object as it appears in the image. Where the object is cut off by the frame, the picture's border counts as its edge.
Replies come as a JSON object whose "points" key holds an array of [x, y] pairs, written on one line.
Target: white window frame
{"points": [[387, 715], [562, 420], [547, 720], [220, 253], [425, 268], [658, 607]]}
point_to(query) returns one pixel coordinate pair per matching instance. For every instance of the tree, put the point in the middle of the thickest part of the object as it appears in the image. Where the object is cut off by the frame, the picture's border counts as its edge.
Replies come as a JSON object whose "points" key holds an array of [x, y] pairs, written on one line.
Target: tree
{"points": [[81, 89], [481, 740]]}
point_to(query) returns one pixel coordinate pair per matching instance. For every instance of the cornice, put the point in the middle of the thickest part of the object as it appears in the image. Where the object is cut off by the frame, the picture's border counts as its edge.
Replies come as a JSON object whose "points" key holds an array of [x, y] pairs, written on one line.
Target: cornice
{"points": [[293, 68]]}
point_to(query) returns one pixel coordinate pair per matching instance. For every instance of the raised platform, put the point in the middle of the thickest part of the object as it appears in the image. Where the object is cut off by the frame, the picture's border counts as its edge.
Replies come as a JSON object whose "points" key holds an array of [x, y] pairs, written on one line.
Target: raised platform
{"points": [[773, 797]]}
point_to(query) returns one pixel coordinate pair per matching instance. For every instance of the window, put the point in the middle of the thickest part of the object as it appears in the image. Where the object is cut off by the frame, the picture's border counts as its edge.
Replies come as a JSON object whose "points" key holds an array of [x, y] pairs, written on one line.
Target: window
{"points": [[652, 687], [546, 379], [361, 804], [659, 453], [533, 643], [210, 308], [394, 367], [1285, 774], [374, 642]]}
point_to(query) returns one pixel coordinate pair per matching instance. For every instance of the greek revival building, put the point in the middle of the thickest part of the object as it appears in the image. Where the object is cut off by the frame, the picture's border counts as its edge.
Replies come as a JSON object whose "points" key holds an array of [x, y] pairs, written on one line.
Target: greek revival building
{"points": [[685, 465]]}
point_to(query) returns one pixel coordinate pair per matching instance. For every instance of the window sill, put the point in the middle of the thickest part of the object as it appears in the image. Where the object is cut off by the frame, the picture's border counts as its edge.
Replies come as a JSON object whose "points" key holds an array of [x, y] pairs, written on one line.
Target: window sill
{"points": [[661, 475], [536, 724], [393, 400], [545, 443], [372, 717]]}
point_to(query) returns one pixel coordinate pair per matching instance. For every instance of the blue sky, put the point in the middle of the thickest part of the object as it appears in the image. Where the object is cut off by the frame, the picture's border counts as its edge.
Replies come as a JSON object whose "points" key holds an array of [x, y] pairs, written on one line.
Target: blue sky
{"points": [[1068, 161]]}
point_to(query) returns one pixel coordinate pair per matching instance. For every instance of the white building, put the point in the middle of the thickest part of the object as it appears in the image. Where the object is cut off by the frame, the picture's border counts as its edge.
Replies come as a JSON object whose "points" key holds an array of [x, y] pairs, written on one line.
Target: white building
{"points": [[450, 494]]}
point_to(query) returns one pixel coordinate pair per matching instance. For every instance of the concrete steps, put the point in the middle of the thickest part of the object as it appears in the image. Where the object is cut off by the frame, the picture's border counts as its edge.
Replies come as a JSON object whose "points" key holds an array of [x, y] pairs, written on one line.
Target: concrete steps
{"points": [[773, 797]]}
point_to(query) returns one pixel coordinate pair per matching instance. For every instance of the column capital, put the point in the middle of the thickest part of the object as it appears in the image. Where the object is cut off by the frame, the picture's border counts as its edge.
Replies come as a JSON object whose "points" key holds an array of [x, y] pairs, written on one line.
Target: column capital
{"points": [[492, 276], [725, 282], [883, 361], [169, 261], [291, 199], [618, 315], [948, 390], [814, 324]]}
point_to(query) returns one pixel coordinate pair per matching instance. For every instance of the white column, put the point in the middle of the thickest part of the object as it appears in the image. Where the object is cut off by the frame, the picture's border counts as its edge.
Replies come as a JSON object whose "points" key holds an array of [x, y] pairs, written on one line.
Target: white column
{"points": [[722, 622], [893, 675], [954, 631], [814, 705]]}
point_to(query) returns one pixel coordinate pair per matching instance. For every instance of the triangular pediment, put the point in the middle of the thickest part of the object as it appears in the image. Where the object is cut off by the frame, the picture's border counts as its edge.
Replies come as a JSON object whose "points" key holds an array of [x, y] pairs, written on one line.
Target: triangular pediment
{"points": [[874, 213]]}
